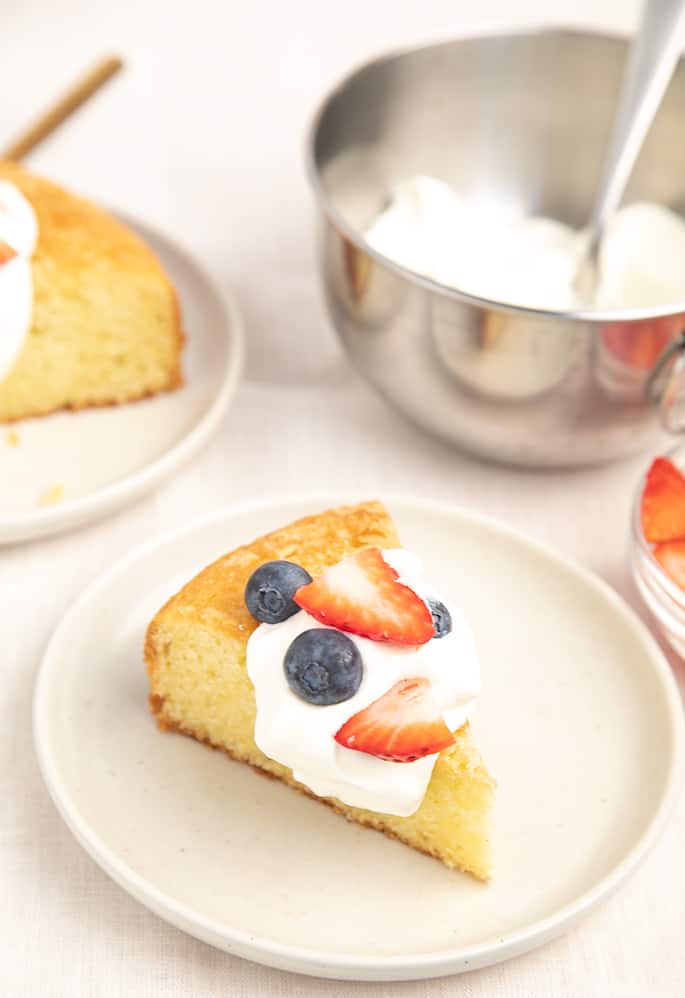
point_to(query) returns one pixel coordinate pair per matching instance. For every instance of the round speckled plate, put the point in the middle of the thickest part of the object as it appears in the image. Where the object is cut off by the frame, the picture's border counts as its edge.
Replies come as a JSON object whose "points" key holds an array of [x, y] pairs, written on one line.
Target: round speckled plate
{"points": [[67, 469], [579, 721]]}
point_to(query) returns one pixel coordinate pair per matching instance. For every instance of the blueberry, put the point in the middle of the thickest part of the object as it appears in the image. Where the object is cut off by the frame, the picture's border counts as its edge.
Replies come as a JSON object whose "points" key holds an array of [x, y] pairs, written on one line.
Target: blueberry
{"points": [[442, 619], [323, 666], [270, 589]]}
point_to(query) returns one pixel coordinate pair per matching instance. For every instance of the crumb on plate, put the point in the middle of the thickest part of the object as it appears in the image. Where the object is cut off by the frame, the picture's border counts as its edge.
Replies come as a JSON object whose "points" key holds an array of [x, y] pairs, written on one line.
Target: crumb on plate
{"points": [[51, 496], [13, 438]]}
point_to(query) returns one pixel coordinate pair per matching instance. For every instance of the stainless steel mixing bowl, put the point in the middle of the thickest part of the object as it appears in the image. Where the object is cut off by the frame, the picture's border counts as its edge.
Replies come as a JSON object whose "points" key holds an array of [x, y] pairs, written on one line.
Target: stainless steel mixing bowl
{"points": [[517, 120]]}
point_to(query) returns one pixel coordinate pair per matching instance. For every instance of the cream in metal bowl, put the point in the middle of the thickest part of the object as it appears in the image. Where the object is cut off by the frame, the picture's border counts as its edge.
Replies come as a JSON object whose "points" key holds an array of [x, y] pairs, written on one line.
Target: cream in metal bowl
{"points": [[516, 123]]}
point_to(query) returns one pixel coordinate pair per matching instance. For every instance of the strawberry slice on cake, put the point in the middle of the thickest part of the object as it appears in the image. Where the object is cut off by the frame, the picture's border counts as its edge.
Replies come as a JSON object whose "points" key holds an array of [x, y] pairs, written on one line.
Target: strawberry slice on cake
{"points": [[6, 252], [363, 594], [402, 726]]}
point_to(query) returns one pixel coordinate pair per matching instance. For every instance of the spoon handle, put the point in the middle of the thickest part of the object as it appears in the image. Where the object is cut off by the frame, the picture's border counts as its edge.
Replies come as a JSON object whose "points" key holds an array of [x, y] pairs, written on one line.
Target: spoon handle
{"points": [[651, 62]]}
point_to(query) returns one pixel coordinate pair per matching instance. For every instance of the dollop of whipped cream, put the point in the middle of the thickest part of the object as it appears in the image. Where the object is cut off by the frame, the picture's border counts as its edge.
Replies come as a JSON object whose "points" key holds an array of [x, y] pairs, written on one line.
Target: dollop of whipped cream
{"points": [[529, 261], [300, 735], [19, 231]]}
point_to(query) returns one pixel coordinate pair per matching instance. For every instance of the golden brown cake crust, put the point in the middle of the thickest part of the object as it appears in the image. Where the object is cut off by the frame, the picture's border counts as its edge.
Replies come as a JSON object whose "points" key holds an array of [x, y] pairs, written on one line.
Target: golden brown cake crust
{"points": [[75, 236], [314, 542], [462, 736], [195, 651]]}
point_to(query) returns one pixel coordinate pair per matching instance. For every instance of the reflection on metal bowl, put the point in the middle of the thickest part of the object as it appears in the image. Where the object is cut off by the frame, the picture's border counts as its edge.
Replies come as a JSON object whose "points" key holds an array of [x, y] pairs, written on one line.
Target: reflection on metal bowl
{"points": [[518, 121]]}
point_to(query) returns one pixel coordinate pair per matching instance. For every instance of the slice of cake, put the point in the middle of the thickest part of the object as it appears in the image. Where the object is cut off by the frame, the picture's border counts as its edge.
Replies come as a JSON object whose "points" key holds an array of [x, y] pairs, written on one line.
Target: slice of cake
{"points": [[103, 325], [351, 682]]}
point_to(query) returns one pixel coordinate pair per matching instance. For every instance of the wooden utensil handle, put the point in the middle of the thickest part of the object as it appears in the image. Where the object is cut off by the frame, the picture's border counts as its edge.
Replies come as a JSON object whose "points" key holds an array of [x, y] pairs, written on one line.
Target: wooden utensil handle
{"points": [[65, 106]]}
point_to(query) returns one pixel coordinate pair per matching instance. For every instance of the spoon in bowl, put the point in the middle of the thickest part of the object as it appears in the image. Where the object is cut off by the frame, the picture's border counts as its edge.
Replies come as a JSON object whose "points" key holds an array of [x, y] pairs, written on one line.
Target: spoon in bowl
{"points": [[651, 61]]}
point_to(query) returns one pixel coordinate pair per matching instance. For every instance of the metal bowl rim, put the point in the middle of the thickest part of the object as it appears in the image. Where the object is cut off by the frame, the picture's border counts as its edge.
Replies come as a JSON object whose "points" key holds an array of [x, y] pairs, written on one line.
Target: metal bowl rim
{"points": [[593, 316]]}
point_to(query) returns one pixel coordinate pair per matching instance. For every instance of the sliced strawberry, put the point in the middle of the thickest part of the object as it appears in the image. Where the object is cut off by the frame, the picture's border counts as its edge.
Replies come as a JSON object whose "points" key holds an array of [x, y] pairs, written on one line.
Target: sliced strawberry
{"points": [[671, 557], [663, 502], [401, 726], [362, 594], [6, 252], [640, 344]]}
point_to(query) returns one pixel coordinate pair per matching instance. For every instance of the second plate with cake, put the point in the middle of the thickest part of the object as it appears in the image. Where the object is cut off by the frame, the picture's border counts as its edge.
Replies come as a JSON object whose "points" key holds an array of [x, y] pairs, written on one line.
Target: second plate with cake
{"points": [[62, 469]]}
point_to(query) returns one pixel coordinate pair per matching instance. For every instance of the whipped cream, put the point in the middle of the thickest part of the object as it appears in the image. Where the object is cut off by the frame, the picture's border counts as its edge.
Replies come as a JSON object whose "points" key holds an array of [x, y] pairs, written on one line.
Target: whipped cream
{"points": [[529, 261], [300, 735], [19, 229]]}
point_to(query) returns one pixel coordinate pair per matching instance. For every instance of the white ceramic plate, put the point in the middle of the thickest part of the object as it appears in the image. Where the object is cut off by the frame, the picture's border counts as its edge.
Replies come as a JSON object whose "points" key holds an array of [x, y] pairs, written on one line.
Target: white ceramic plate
{"points": [[580, 722], [92, 462]]}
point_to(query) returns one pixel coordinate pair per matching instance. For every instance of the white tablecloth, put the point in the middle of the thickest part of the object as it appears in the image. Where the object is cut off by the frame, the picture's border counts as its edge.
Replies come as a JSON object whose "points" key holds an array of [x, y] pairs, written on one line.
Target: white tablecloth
{"points": [[203, 136]]}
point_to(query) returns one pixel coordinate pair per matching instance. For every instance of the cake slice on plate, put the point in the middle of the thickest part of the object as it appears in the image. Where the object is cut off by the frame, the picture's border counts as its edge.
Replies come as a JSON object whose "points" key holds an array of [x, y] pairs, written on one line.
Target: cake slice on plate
{"points": [[317, 655], [87, 314]]}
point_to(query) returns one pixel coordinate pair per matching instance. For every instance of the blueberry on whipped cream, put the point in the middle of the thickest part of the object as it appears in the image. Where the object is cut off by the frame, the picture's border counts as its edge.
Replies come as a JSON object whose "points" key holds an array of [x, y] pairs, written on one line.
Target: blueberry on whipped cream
{"points": [[270, 590], [361, 687], [442, 620], [323, 666]]}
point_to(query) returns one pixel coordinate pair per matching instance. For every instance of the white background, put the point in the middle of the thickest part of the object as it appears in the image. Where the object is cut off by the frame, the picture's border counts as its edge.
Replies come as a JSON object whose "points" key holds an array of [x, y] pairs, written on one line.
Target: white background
{"points": [[202, 135]]}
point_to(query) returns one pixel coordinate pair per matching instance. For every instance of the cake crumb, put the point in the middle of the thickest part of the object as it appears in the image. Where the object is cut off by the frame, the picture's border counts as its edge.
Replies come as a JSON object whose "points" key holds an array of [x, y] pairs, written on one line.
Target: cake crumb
{"points": [[51, 496], [13, 438]]}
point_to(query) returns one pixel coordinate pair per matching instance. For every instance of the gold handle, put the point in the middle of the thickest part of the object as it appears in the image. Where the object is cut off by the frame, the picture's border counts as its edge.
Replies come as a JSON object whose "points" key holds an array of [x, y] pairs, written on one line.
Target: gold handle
{"points": [[63, 108]]}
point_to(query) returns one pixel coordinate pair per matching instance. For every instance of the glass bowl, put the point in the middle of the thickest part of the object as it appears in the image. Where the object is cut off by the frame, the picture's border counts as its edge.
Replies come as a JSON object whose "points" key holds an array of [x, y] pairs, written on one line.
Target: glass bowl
{"points": [[664, 597]]}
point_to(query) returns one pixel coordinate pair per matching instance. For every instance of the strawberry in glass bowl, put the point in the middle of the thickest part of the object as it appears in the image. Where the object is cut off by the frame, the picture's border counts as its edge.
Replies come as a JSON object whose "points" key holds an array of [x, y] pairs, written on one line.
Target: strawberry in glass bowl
{"points": [[657, 550]]}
